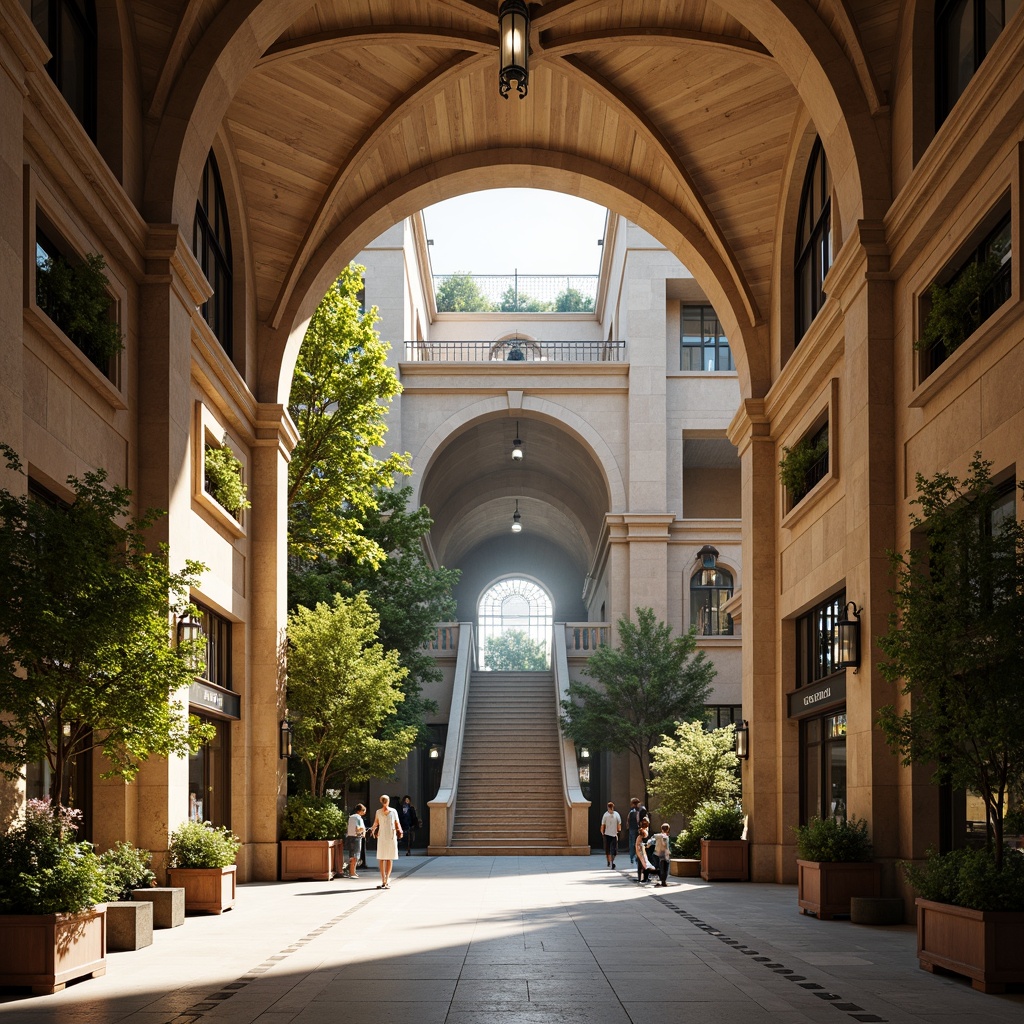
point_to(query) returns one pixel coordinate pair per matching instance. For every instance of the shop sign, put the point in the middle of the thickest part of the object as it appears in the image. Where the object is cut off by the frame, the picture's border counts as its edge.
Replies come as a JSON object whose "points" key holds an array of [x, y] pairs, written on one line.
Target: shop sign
{"points": [[214, 700], [812, 700]]}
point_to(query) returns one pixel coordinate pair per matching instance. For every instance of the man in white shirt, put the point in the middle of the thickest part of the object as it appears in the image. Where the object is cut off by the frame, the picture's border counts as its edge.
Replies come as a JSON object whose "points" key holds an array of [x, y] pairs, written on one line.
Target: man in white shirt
{"points": [[354, 837], [611, 825]]}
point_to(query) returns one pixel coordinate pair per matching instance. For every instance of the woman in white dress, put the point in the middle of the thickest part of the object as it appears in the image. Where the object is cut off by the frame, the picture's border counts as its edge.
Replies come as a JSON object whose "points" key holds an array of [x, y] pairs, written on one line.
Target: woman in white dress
{"points": [[387, 831]]}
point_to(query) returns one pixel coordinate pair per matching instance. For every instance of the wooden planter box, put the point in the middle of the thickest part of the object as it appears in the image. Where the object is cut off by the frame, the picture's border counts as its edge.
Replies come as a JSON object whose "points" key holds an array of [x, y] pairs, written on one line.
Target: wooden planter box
{"points": [[825, 888], [209, 889], [684, 867], [308, 858], [46, 951], [985, 945], [725, 859], [129, 925]]}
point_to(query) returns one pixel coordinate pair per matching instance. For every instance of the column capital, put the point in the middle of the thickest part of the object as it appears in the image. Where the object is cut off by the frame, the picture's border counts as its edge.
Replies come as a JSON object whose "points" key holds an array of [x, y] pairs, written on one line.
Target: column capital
{"points": [[751, 423], [274, 426], [170, 260], [631, 527], [863, 257]]}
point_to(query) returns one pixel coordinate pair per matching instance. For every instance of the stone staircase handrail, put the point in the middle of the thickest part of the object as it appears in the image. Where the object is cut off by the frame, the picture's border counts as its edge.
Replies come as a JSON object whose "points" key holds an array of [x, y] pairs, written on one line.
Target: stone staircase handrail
{"points": [[442, 807], [577, 806]]}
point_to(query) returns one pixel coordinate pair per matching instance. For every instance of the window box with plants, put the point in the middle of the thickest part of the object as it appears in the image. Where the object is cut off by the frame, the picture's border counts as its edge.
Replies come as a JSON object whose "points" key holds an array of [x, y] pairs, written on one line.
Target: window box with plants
{"points": [[53, 919], [834, 865], [803, 465], [201, 860], [312, 829], [724, 853], [954, 645], [222, 479]]}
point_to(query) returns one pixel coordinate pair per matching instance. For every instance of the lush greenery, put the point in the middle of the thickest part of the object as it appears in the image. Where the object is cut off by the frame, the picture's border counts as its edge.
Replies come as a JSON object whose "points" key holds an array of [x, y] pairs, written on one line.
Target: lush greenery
{"points": [[75, 297], [408, 594], [43, 870], [514, 651], [687, 845], [85, 660], [956, 643], [694, 766], [339, 400], [970, 878], [312, 817], [955, 311], [224, 479], [125, 869], [459, 293], [343, 689], [716, 821], [198, 844], [572, 300], [646, 685], [840, 840], [797, 461]]}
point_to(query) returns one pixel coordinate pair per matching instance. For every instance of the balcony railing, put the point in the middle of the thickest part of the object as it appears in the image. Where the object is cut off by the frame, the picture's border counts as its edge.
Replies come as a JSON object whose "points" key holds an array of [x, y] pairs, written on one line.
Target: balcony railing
{"points": [[515, 293], [515, 350], [585, 637]]}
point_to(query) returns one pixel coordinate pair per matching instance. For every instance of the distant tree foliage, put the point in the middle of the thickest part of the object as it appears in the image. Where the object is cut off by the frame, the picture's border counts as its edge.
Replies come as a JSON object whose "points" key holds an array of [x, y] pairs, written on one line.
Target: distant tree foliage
{"points": [[459, 293], [646, 686], [514, 301], [573, 301], [339, 402], [695, 766], [514, 651]]}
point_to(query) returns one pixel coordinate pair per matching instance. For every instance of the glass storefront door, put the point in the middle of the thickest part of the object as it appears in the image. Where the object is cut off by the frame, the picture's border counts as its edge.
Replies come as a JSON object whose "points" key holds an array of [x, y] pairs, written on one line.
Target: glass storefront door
{"points": [[208, 777]]}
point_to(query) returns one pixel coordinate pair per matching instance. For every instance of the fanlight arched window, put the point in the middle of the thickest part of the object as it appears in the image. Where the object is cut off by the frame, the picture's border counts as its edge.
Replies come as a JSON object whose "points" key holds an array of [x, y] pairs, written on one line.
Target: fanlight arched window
{"points": [[514, 626], [813, 240], [211, 243], [710, 591]]}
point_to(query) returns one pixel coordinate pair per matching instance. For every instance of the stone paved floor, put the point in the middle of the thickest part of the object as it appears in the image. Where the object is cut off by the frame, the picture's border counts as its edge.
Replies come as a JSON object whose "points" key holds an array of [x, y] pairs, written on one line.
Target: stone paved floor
{"points": [[512, 940]]}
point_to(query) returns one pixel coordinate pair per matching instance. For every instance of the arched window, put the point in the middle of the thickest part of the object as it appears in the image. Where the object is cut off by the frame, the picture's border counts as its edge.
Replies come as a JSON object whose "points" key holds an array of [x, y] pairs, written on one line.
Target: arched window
{"points": [[964, 33], [211, 243], [710, 591], [69, 29], [514, 625], [813, 240]]}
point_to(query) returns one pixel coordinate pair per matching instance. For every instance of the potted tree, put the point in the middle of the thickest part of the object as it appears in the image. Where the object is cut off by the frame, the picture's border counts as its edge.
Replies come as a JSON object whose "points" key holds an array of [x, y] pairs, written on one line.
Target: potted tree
{"points": [[310, 829], [724, 853], [955, 644], [692, 767], [52, 915], [834, 865], [202, 862]]}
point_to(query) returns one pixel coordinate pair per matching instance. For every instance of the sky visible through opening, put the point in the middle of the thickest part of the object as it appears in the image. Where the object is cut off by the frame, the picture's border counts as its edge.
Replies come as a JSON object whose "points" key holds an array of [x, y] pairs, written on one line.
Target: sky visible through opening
{"points": [[505, 230]]}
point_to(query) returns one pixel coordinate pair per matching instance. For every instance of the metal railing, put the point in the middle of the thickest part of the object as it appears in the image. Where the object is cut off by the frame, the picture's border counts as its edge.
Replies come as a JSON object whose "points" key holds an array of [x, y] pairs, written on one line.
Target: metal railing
{"points": [[515, 350], [515, 293]]}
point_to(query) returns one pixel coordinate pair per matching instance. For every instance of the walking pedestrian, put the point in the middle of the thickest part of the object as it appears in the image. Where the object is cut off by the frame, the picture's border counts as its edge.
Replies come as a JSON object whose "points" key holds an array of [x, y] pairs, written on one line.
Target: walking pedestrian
{"points": [[409, 821], [633, 826], [643, 865], [354, 838], [663, 851], [611, 826], [387, 831]]}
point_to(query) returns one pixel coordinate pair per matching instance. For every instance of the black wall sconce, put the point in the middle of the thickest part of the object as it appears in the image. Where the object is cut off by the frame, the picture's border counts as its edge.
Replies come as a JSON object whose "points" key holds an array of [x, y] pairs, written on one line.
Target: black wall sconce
{"points": [[743, 740], [846, 639], [284, 739]]}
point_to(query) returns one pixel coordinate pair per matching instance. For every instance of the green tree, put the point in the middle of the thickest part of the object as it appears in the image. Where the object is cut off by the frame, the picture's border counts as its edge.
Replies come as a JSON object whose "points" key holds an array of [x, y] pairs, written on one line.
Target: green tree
{"points": [[409, 595], [514, 651], [85, 657], [693, 767], [459, 293], [343, 687], [572, 300], [514, 301], [956, 642], [649, 683], [339, 400]]}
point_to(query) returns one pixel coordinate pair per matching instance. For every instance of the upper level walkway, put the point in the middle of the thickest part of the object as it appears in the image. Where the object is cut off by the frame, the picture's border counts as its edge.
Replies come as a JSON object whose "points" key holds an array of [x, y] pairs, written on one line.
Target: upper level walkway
{"points": [[512, 940]]}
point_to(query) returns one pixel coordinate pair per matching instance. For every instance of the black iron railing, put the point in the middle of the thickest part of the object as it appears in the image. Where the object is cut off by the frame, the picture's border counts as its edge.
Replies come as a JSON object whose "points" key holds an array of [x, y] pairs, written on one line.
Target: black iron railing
{"points": [[515, 350]]}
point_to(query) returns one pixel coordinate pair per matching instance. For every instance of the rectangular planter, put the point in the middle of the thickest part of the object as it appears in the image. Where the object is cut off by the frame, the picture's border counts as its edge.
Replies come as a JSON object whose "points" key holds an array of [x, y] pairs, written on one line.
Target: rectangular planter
{"points": [[207, 889], [129, 925], [46, 951], [725, 860], [825, 888], [308, 858], [684, 867], [986, 946]]}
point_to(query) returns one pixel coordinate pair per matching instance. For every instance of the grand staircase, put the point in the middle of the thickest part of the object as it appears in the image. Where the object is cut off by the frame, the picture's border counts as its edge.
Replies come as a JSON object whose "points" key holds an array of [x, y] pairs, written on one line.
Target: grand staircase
{"points": [[510, 795]]}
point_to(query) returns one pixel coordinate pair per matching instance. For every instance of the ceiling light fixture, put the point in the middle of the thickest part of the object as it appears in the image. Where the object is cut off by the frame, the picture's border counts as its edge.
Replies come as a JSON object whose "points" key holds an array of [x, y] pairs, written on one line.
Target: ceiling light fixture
{"points": [[517, 446], [513, 34], [517, 524]]}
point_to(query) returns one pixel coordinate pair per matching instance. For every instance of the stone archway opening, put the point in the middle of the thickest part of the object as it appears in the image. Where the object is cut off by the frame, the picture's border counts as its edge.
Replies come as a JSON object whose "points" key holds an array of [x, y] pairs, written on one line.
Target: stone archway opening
{"points": [[513, 626]]}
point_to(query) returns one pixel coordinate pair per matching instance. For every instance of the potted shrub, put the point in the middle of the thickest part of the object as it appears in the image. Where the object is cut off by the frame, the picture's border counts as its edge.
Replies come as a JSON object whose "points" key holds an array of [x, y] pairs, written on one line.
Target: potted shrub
{"points": [[310, 830], [834, 865], [724, 852], [954, 642], [223, 479], [52, 916], [796, 462], [685, 860], [955, 309], [129, 921], [201, 860]]}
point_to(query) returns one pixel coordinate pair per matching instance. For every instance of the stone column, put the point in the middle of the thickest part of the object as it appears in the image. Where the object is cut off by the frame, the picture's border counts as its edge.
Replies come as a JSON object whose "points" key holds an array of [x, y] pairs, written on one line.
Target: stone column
{"points": [[772, 753]]}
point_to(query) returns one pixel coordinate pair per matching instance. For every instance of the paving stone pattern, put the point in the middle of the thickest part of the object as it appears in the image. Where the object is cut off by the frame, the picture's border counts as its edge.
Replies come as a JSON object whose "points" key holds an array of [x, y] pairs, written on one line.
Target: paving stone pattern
{"points": [[516, 940]]}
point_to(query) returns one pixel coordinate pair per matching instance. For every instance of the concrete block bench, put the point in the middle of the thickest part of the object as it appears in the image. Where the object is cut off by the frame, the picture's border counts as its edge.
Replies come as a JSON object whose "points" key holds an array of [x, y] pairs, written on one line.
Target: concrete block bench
{"points": [[129, 924], [168, 905]]}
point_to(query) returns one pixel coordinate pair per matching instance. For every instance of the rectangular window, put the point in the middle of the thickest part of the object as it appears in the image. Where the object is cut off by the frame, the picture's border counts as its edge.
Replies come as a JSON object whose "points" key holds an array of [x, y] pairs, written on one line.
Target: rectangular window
{"points": [[703, 345], [805, 464], [718, 716], [814, 634], [969, 295], [216, 668]]}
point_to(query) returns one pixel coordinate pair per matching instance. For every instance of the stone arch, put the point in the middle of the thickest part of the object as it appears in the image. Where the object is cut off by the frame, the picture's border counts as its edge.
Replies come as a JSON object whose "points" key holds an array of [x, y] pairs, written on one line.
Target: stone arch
{"points": [[490, 408]]}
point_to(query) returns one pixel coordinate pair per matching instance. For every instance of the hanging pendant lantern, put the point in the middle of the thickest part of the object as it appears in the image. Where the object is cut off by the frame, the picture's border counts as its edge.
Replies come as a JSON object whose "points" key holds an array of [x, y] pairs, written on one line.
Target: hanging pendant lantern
{"points": [[513, 34]]}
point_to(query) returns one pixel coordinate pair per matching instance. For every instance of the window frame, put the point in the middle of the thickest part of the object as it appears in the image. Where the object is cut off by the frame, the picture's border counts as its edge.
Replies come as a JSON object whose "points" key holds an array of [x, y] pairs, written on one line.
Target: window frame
{"points": [[815, 631], [53, 30], [699, 591], [818, 247], [212, 248], [718, 341]]}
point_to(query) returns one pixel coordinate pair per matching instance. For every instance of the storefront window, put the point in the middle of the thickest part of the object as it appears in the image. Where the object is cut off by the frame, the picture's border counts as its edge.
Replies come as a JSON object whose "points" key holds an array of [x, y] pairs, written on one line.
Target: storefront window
{"points": [[208, 779]]}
